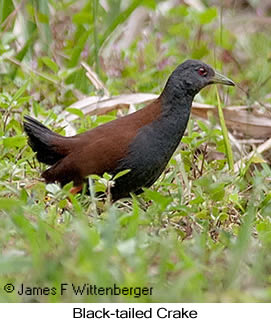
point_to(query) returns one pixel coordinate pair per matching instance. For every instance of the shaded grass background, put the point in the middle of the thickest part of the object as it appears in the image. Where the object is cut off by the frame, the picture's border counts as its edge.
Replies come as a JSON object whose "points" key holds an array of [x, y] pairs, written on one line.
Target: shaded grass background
{"points": [[202, 233]]}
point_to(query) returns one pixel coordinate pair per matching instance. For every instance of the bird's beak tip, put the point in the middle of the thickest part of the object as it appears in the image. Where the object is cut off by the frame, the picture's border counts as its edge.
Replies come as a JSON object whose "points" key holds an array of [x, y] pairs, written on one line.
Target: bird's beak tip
{"points": [[221, 79]]}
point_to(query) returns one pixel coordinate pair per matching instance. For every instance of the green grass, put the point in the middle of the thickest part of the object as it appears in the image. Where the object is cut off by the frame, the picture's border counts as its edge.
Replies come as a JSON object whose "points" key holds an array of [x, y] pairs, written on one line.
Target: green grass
{"points": [[201, 233]]}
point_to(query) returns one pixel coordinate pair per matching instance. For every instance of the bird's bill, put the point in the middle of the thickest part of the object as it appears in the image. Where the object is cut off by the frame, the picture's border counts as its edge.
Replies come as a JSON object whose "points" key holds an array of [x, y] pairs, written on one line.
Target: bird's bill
{"points": [[221, 79]]}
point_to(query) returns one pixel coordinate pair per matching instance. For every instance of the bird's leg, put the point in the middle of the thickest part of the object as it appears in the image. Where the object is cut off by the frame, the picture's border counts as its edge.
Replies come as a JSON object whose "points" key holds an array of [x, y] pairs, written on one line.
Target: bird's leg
{"points": [[76, 189]]}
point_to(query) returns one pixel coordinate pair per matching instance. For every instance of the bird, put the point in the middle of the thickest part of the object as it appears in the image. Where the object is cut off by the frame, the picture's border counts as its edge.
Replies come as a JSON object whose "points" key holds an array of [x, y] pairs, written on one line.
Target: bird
{"points": [[141, 142]]}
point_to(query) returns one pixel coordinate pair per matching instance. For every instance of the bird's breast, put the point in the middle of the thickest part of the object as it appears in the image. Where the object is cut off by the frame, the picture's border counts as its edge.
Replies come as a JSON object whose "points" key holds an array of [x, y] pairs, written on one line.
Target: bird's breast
{"points": [[149, 154]]}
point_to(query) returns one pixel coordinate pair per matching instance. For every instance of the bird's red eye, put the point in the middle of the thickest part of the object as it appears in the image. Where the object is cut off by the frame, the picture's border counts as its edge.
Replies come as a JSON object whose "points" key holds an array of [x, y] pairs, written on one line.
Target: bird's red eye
{"points": [[202, 71]]}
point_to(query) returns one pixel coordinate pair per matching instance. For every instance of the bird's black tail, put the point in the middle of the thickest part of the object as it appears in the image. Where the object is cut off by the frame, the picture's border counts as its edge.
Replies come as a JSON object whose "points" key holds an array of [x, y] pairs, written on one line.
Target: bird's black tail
{"points": [[43, 141]]}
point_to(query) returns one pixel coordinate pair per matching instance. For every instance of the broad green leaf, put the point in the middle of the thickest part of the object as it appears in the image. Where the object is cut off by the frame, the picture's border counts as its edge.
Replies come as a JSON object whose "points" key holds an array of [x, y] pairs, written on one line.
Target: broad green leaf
{"points": [[76, 111], [50, 63], [15, 141], [9, 203], [123, 172], [107, 176], [21, 91], [160, 200], [180, 10], [208, 15], [197, 200]]}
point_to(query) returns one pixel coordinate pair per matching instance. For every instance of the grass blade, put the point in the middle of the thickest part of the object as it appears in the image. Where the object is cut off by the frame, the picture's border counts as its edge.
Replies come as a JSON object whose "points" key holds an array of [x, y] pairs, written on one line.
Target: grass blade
{"points": [[224, 133]]}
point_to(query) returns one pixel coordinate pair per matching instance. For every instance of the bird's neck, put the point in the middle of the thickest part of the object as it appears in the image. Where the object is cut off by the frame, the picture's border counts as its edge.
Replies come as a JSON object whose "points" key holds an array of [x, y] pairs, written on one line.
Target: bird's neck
{"points": [[177, 95], [176, 107]]}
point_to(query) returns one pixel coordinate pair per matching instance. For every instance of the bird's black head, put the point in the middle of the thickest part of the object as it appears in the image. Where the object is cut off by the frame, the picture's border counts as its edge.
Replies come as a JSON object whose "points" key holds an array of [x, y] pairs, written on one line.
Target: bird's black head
{"points": [[193, 75]]}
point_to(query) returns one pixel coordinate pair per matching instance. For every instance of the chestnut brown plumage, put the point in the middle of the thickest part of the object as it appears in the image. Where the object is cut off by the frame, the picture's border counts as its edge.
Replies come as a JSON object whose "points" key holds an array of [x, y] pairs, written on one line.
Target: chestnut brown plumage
{"points": [[142, 142]]}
